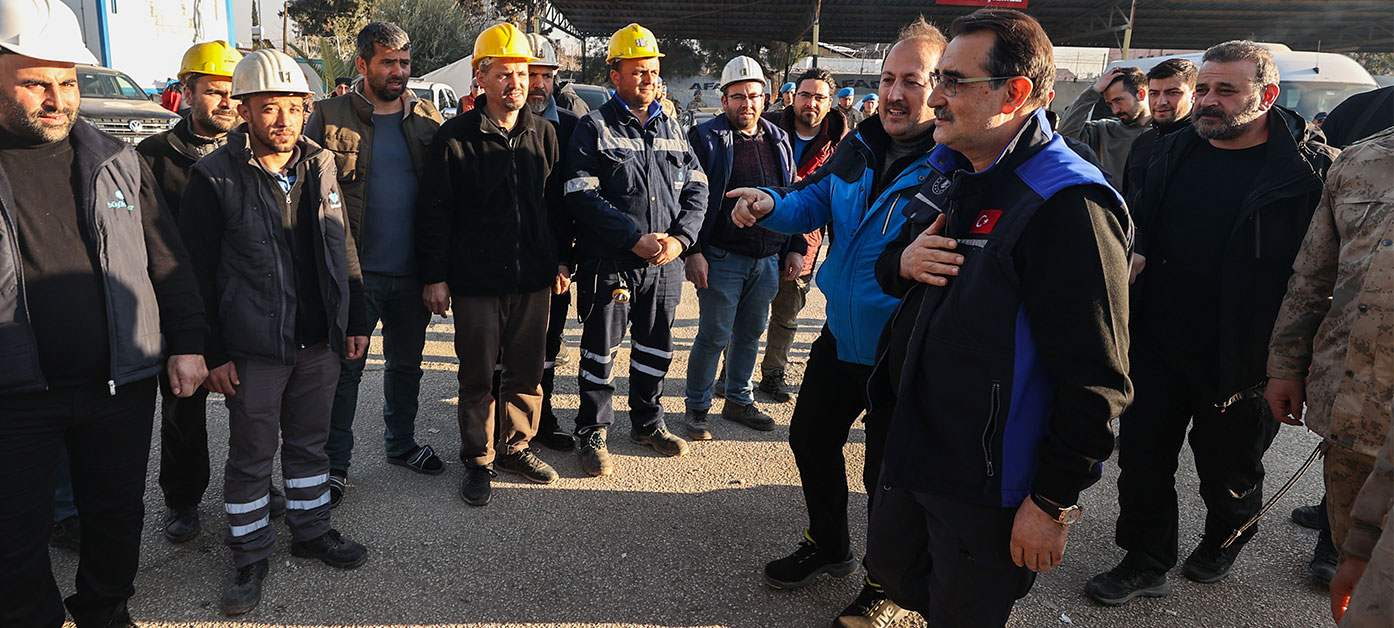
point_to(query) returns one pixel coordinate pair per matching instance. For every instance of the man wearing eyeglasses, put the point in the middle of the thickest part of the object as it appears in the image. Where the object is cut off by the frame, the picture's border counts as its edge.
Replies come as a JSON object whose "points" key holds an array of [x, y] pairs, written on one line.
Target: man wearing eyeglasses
{"points": [[1007, 357], [814, 129], [736, 271], [861, 195]]}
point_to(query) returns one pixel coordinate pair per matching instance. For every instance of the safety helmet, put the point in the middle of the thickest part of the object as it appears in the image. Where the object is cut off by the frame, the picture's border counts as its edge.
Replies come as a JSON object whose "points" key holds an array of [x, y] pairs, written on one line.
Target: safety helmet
{"points": [[740, 69], [268, 70], [542, 49], [632, 42], [870, 97], [787, 87], [502, 41], [846, 92], [42, 29], [214, 58]]}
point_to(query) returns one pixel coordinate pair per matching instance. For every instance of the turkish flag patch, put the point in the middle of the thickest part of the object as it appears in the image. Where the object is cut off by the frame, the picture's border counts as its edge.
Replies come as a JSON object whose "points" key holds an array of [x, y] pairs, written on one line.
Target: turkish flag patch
{"points": [[987, 219]]}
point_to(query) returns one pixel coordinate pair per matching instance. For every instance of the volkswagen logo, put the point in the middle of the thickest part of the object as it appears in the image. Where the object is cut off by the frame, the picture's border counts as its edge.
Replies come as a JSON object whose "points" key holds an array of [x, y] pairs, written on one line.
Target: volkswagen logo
{"points": [[136, 126]]}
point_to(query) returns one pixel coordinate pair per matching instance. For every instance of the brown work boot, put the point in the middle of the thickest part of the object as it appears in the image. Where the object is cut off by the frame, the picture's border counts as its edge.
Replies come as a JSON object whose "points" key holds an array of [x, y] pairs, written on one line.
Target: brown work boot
{"points": [[595, 456], [662, 441]]}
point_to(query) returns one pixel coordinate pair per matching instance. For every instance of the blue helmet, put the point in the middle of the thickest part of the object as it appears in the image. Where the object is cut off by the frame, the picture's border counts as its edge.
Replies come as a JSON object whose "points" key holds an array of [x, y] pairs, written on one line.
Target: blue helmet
{"points": [[846, 92], [870, 97], [787, 87]]}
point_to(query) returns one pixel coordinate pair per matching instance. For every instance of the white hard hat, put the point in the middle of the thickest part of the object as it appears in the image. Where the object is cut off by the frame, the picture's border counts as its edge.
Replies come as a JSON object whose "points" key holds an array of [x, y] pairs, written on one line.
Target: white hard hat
{"points": [[741, 68], [268, 70], [543, 49], [42, 29]]}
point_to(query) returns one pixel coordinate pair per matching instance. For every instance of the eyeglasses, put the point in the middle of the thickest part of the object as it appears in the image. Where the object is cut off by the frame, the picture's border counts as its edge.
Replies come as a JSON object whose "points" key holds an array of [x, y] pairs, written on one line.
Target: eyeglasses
{"points": [[951, 83], [818, 98], [741, 98]]}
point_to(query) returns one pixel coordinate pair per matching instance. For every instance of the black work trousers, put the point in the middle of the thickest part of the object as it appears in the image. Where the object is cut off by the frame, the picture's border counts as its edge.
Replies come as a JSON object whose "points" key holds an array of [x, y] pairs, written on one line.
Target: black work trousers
{"points": [[1173, 390], [108, 441], [832, 396], [184, 470], [556, 325], [948, 560]]}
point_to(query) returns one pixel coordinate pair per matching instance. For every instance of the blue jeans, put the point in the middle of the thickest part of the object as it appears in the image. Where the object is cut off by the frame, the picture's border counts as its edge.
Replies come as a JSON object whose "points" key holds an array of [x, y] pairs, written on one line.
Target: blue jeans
{"points": [[396, 301], [734, 309]]}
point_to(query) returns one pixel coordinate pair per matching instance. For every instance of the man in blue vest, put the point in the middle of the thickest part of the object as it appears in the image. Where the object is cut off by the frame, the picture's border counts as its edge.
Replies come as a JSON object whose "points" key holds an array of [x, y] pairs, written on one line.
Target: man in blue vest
{"points": [[1005, 369]]}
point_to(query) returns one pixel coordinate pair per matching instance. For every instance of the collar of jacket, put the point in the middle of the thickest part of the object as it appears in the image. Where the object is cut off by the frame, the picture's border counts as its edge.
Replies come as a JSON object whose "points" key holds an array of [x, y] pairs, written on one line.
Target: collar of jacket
{"points": [[1171, 127], [1030, 139], [240, 140], [550, 113], [487, 126], [624, 115], [832, 129], [1292, 144], [364, 107], [182, 139], [721, 125]]}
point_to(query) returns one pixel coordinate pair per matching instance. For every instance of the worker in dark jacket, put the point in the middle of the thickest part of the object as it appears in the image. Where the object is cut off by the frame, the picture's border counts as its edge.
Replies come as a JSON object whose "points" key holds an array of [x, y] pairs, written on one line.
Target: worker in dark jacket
{"points": [[736, 271], [1001, 390], [97, 297], [378, 134], [636, 194], [542, 76], [276, 263], [206, 73], [1222, 215], [1359, 117], [1171, 89], [487, 252], [815, 128]]}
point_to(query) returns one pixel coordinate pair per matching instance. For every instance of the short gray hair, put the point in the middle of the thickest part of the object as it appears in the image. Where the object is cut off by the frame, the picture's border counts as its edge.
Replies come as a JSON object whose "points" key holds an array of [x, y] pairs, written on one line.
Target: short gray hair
{"points": [[1244, 50], [391, 36]]}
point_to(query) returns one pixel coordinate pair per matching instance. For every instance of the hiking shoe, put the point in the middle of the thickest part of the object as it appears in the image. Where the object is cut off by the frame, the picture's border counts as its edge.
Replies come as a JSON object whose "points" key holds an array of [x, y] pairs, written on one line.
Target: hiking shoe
{"points": [[243, 593], [806, 564], [871, 609], [1208, 563], [774, 386], [747, 415], [181, 525], [551, 436], [278, 502], [662, 441], [1323, 566], [477, 486], [421, 459], [338, 485], [332, 549], [697, 426], [1307, 516], [595, 457], [1125, 582], [528, 465], [67, 534]]}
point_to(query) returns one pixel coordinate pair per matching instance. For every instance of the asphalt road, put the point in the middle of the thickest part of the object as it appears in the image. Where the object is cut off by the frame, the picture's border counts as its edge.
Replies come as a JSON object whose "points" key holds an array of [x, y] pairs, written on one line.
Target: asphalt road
{"points": [[664, 542]]}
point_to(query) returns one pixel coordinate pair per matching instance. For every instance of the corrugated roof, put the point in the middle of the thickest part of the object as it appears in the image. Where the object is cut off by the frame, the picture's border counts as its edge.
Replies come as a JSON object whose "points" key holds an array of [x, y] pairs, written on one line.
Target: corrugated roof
{"points": [[1332, 25]]}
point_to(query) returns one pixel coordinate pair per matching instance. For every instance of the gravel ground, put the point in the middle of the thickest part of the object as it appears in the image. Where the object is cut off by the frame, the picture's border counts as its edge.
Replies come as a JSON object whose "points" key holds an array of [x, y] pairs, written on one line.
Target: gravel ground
{"points": [[663, 542]]}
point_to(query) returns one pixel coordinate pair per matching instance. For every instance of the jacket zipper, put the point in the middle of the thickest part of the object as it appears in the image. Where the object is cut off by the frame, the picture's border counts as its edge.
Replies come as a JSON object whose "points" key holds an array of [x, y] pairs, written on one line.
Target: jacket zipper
{"points": [[280, 274], [100, 241], [517, 211], [990, 430]]}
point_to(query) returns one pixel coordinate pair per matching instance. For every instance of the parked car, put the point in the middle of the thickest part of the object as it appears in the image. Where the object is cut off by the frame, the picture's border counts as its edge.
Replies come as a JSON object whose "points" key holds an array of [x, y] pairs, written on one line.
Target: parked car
{"points": [[114, 103], [594, 95], [439, 94]]}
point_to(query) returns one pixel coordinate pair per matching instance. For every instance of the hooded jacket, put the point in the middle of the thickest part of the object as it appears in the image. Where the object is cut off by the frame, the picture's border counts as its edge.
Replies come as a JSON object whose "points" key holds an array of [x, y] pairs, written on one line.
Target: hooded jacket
{"points": [[1262, 244]]}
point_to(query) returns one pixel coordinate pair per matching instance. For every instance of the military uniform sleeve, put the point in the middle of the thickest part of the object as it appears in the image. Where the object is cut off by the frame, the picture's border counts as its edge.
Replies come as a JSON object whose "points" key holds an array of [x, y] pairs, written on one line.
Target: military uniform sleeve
{"points": [[176, 289], [201, 225], [1307, 300], [1074, 276], [1371, 505], [582, 185]]}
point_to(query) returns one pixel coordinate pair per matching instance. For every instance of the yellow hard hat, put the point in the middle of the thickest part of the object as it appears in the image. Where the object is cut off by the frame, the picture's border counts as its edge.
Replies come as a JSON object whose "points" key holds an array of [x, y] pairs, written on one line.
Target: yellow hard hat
{"points": [[214, 58], [633, 42], [503, 41]]}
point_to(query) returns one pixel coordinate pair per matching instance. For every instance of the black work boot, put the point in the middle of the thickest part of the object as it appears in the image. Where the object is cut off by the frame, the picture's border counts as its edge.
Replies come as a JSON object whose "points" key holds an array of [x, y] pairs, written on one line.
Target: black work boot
{"points": [[1308, 516], [278, 502], [806, 564], [1323, 566], [477, 486], [871, 609], [697, 426], [1125, 582], [550, 434], [332, 549], [243, 593], [1208, 563], [527, 464], [181, 525], [747, 415], [774, 385]]}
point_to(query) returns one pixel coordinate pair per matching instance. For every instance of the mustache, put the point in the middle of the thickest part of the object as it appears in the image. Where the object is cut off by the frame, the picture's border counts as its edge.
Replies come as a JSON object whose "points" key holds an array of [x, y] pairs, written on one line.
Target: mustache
{"points": [[1211, 111], [944, 114]]}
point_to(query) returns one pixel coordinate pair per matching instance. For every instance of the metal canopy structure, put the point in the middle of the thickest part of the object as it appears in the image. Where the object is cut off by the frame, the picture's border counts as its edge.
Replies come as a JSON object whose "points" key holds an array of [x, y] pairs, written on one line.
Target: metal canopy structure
{"points": [[1331, 25]]}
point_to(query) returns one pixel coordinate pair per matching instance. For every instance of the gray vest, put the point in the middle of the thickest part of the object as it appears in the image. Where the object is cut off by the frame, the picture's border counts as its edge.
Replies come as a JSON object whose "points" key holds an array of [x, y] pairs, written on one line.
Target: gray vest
{"points": [[112, 200]]}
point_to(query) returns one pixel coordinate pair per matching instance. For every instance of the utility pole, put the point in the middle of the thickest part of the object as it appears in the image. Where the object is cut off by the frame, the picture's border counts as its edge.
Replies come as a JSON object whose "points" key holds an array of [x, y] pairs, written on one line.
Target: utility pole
{"points": [[1128, 34], [817, 13], [285, 27]]}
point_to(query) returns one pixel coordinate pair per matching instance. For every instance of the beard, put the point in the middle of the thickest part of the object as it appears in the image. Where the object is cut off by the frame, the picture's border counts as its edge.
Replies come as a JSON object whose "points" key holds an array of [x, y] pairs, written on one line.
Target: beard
{"points": [[387, 90], [1229, 126], [537, 101], [26, 124], [217, 120], [282, 144]]}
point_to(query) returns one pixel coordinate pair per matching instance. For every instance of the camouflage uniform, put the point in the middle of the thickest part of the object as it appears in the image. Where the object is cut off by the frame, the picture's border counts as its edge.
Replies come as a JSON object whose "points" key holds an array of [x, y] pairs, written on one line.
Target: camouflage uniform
{"points": [[1338, 319], [1370, 603]]}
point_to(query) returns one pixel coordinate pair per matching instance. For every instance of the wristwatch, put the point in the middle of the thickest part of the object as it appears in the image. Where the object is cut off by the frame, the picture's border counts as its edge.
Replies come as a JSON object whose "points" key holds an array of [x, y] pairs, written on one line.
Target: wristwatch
{"points": [[1063, 515]]}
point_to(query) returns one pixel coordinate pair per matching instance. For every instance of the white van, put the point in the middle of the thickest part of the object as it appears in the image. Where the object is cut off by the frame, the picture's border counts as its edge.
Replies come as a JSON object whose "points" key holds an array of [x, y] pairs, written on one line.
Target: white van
{"points": [[438, 94], [1309, 82]]}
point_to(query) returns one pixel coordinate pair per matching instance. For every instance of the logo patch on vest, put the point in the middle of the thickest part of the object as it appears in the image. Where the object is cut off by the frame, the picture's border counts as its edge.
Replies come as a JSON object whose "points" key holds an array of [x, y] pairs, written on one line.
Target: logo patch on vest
{"points": [[334, 200], [120, 202], [987, 219], [940, 185]]}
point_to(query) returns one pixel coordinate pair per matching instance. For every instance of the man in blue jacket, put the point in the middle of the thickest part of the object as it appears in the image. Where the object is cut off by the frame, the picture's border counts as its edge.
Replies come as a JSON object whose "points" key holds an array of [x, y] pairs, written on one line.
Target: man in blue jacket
{"points": [[637, 195], [1004, 370], [736, 271], [861, 195]]}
